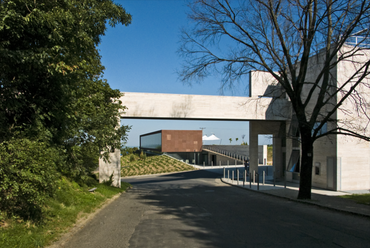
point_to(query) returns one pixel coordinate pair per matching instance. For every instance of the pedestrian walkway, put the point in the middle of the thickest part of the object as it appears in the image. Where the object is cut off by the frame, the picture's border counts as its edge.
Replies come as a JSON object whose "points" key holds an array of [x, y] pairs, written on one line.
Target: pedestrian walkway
{"points": [[319, 197]]}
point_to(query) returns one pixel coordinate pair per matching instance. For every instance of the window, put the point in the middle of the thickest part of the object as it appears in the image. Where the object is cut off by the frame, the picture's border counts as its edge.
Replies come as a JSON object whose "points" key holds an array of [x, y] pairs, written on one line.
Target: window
{"points": [[151, 141]]}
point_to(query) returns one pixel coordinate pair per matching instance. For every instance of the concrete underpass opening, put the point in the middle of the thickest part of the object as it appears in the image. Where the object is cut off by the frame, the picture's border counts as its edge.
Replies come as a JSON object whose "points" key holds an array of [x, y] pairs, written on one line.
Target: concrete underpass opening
{"points": [[225, 149], [265, 156]]}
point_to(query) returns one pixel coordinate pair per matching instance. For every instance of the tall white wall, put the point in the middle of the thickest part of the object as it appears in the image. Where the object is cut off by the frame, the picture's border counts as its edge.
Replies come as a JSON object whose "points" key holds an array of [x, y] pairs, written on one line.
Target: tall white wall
{"points": [[354, 154], [113, 167], [354, 166], [351, 155]]}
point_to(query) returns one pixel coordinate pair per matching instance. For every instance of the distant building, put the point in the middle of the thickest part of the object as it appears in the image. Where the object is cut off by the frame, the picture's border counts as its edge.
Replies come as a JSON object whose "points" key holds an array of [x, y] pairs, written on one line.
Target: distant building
{"points": [[185, 145], [172, 141]]}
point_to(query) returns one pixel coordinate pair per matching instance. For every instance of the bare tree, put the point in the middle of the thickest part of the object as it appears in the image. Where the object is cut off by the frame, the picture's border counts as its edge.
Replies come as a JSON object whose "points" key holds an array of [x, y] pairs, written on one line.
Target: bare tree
{"points": [[288, 39]]}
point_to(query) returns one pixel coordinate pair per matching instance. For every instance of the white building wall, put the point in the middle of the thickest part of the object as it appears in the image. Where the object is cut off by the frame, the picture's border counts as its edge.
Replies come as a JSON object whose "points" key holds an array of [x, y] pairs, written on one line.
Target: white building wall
{"points": [[354, 154], [351, 155], [354, 166], [323, 148]]}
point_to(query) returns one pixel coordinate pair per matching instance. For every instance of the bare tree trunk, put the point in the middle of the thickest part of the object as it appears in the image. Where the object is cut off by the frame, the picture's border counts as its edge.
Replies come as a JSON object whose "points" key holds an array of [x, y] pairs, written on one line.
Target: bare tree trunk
{"points": [[306, 164]]}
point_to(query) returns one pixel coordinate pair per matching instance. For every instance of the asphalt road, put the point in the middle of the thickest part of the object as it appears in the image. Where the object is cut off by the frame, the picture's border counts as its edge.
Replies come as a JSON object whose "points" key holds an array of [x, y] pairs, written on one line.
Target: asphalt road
{"points": [[193, 209]]}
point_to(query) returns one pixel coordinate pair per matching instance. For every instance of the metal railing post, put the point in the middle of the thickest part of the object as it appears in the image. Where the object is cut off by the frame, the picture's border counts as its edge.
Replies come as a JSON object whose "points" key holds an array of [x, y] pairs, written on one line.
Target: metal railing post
{"points": [[245, 177], [237, 177], [232, 177], [258, 181], [263, 178]]}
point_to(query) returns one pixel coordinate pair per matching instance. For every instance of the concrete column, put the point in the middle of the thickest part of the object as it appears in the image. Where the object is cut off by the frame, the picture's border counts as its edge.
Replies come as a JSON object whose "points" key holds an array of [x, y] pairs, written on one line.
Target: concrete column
{"points": [[288, 151], [106, 169], [277, 157], [253, 146]]}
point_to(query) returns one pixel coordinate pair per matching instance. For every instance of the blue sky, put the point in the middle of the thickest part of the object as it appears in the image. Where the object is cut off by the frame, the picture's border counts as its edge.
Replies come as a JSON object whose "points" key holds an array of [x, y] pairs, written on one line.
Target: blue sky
{"points": [[142, 57]]}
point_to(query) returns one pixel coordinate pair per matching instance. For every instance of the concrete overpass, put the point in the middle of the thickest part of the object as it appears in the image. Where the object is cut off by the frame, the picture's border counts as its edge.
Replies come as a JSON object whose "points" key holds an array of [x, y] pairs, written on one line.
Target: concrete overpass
{"points": [[337, 158], [267, 115]]}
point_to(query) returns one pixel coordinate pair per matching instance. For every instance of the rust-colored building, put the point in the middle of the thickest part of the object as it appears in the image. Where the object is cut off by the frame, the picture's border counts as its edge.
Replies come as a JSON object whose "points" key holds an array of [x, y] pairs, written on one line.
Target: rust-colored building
{"points": [[172, 141]]}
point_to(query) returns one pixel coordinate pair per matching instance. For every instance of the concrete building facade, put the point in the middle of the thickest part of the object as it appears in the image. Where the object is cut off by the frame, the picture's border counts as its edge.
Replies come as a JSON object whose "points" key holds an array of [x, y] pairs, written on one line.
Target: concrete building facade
{"points": [[340, 162]]}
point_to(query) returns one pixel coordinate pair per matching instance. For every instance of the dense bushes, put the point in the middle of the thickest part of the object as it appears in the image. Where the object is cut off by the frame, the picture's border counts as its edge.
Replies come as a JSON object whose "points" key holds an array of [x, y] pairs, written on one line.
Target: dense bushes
{"points": [[27, 176]]}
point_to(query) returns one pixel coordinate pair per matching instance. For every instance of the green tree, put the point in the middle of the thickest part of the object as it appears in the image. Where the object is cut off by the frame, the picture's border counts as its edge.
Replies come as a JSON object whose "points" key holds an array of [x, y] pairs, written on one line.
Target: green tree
{"points": [[230, 140], [52, 94], [280, 37], [50, 71]]}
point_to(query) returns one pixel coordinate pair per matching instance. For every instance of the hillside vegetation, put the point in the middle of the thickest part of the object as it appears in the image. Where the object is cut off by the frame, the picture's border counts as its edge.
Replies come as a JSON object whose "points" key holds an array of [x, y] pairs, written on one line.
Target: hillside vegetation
{"points": [[59, 212], [134, 165]]}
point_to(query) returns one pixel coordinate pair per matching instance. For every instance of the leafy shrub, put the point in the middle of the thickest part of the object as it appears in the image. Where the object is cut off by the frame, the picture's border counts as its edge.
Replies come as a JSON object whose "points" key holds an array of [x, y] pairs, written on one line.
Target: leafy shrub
{"points": [[132, 158], [129, 150], [143, 155], [27, 176], [109, 181]]}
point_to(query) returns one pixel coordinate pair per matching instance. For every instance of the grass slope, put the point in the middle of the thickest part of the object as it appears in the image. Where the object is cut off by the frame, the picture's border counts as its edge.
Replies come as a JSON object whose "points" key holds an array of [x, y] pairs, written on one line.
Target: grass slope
{"points": [[70, 202], [150, 165]]}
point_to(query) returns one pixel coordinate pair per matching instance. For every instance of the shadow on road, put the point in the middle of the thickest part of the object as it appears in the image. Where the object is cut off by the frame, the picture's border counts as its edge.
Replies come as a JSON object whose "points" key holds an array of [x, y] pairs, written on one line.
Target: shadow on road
{"points": [[190, 209], [137, 180], [198, 212]]}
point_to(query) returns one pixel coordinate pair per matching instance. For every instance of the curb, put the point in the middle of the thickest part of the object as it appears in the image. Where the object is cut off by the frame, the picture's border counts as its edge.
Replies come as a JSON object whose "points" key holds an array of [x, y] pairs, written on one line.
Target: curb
{"points": [[299, 201], [158, 174]]}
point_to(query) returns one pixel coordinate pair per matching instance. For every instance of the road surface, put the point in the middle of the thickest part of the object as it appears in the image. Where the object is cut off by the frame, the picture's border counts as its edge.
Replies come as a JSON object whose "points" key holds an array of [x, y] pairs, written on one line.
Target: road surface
{"points": [[194, 209]]}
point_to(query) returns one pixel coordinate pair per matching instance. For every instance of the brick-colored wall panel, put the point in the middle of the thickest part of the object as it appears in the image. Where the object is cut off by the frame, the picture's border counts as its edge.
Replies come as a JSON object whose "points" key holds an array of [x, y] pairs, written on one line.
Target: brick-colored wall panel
{"points": [[181, 140]]}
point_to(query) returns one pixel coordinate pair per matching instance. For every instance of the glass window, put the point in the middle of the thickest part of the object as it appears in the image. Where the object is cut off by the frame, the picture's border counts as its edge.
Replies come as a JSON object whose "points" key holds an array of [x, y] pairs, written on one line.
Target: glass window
{"points": [[151, 141], [293, 165]]}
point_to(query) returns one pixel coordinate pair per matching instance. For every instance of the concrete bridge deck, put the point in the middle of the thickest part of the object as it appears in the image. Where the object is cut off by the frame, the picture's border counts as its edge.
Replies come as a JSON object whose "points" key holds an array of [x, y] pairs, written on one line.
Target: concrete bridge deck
{"points": [[201, 107]]}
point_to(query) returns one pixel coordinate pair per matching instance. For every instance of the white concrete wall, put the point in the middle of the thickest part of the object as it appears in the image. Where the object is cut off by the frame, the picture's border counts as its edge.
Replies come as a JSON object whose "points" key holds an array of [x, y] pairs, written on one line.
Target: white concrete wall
{"points": [[354, 167], [354, 111], [177, 106], [263, 155], [265, 127], [354, 154], [263, 84], [106, 169], [323, 148]]}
